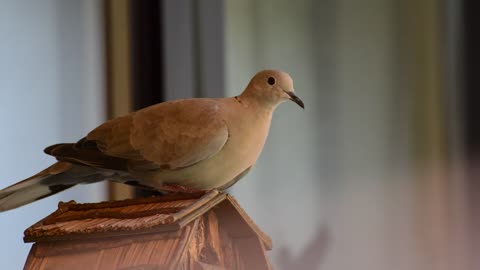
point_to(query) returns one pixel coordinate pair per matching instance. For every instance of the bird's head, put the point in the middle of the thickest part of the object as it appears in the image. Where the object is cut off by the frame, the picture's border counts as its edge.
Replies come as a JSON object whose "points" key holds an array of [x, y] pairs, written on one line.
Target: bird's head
{"points": [[272, 87]]}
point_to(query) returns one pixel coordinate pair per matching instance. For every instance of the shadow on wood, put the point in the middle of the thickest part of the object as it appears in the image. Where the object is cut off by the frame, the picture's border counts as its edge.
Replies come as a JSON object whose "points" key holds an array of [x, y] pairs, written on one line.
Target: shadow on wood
{"points": [[188, 231]]}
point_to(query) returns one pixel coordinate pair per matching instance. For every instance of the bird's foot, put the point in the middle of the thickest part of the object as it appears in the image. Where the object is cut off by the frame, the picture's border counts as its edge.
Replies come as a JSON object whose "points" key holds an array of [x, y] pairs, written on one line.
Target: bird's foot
{"points": [[176, 188]]}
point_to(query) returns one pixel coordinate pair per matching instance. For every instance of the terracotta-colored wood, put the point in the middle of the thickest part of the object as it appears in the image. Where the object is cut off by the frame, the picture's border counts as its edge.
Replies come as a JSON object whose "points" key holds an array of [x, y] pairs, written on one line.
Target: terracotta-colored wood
{"points": [[52, 248], [251, 249], [199, 231], [211, 246], [238, 223]]}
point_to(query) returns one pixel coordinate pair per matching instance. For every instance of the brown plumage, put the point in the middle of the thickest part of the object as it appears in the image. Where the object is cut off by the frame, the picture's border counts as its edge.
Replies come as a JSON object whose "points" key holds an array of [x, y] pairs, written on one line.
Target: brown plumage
{"points": [[198, 143]]}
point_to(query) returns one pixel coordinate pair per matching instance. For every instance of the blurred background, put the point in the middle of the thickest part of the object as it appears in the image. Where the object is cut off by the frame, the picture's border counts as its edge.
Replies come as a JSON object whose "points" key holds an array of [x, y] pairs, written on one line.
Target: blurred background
{"points": [[379, 172]]}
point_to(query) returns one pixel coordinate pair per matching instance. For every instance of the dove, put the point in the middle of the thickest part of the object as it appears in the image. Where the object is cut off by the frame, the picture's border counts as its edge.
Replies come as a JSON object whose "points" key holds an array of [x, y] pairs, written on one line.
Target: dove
{"points": [[175, 146]]}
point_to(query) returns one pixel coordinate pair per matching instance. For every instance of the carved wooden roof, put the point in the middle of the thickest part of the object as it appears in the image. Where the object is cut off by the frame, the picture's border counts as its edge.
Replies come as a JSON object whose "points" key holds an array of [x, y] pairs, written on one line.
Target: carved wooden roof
{"points": [[142, 216]]}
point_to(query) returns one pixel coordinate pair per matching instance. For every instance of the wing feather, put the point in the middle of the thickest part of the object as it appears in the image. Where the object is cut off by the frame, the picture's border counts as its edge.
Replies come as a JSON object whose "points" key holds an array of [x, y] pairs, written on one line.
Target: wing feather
{"points": [[179, 133], [168, 135]]}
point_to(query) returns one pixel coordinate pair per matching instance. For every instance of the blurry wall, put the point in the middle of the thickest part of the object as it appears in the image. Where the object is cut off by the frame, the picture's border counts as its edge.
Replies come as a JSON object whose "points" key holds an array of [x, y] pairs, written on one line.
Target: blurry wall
{"points": [[363, 163], [51, 90], [358, 180]]}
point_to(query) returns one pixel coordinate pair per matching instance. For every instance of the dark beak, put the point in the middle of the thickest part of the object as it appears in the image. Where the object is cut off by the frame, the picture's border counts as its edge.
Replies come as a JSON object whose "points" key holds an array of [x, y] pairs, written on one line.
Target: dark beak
{"points": [[295, 99]]}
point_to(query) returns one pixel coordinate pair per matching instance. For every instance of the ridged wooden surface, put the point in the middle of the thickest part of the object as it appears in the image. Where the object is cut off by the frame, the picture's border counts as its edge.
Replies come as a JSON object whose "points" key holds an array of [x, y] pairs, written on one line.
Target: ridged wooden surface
{"points": [[157, 252], [212, 232], [119, 216]]}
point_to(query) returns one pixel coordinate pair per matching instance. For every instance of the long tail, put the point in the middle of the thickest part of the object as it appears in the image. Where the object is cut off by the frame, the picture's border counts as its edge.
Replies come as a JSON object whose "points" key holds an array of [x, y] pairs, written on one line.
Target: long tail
{"points": [[56, 178]]}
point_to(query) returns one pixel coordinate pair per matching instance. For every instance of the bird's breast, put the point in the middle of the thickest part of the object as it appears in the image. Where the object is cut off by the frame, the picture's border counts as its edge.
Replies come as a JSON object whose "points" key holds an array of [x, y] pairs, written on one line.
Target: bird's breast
{"points": [[247, 135], [245, 143]]}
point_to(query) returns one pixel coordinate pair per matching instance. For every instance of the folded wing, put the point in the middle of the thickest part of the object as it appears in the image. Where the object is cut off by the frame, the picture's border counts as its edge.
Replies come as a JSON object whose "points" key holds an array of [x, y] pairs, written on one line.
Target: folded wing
{"points": [[168, 135]]}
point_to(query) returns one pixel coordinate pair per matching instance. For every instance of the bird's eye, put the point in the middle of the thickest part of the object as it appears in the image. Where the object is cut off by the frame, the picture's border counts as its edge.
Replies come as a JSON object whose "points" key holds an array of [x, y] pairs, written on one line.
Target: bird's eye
{"points": [[271, 80]]}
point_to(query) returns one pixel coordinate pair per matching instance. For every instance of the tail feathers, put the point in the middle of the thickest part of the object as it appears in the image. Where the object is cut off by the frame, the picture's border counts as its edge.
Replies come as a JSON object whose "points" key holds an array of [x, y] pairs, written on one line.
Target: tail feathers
{"points": [[33, 193], [56, 178]]}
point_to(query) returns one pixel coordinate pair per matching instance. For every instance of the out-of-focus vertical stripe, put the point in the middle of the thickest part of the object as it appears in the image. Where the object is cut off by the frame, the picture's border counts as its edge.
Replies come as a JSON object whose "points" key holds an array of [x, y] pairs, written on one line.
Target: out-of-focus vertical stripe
{"points": [[117, 32], [421, 36]]}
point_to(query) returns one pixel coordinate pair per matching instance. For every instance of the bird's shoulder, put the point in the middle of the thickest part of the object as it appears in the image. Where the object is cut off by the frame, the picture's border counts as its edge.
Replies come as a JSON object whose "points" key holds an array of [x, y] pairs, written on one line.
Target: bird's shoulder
{"points": [[179, 133], [172, 134], [182, 109]]}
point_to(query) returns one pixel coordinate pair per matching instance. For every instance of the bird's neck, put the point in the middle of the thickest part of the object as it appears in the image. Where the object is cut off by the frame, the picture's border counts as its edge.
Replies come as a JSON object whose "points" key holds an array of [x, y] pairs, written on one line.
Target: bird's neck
{"points": [[252, 99]]}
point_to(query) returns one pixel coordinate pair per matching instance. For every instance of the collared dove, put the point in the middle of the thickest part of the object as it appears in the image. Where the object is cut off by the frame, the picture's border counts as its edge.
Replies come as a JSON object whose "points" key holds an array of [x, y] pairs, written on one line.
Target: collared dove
{"points": [[180, 145]]}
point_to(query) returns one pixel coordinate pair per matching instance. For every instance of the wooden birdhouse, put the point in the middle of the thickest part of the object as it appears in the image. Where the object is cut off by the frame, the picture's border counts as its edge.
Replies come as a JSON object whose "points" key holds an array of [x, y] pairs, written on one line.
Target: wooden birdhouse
{"points": [[191, 231]]}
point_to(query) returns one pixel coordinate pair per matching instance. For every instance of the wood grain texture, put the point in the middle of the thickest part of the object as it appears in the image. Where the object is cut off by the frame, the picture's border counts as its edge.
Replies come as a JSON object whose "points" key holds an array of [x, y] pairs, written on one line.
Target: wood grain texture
{"points": [[230, 212], [251, 254], [150, 250], [207, 232]]}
